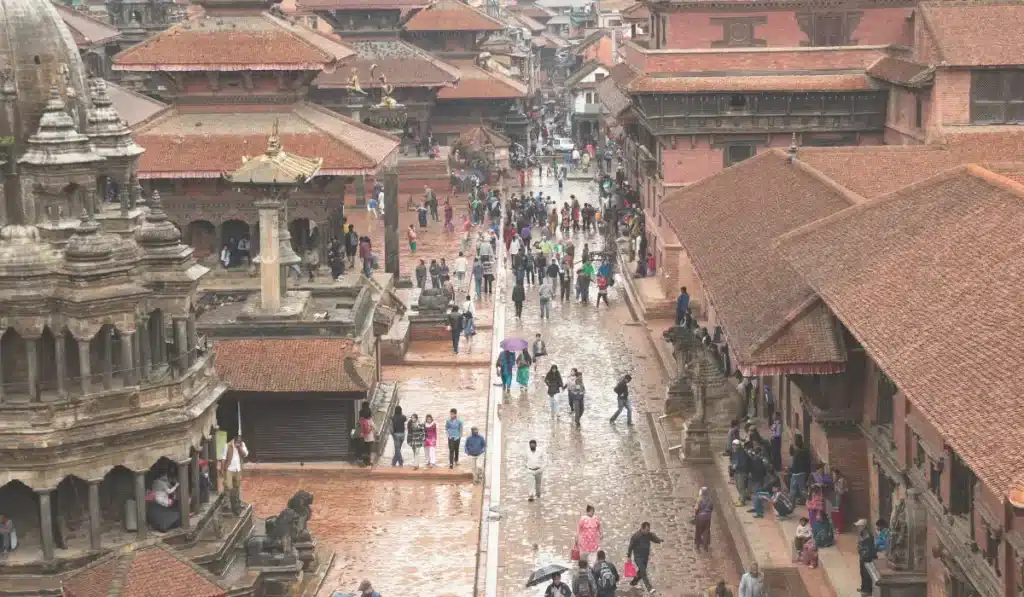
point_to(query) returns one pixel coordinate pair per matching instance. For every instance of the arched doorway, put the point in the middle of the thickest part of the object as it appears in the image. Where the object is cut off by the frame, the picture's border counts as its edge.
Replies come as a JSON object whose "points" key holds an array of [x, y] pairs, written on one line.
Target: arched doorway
{"points": [[46, 351], [14, 362], [305, 235], [202, 237], [18, 502], [231, 233], [116, 488]]}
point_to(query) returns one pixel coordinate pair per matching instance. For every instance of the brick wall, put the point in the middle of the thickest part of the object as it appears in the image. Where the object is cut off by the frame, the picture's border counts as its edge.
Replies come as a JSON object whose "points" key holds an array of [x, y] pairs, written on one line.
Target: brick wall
{"points": [[934, 567], [951, 98], [686, 164], [848, 451], [695, 30]]}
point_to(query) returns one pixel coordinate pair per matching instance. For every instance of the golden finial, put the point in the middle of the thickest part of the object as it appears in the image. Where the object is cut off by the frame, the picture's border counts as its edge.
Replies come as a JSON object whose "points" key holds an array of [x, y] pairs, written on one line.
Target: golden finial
{"points": [[274, 142]]}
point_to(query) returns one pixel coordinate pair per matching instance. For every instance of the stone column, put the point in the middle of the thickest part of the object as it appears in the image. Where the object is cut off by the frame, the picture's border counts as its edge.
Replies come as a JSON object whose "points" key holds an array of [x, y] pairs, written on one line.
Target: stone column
{"points": [[183, 499], [181, 343], [136, 358], [1, 368], [194, 479], [127, 365], [46, 523], [190, 340], [360, 192], [270, 256], [211, 457], [94, 515], [32, 350], [391, 261], [108, 358], [145, 349], [141, 527], [84, 365], [60, 356]]}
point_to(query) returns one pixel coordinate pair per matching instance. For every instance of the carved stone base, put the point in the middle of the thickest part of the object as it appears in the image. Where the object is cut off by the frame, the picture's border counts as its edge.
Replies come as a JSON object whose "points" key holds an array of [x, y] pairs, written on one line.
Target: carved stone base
{"points": [[279, 581], [696, 443], [307, 555], [894, 583], [679, 399]]}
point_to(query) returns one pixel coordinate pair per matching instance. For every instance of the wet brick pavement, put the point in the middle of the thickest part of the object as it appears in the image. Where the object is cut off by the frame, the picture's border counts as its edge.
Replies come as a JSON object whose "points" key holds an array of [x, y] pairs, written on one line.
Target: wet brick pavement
{"points": [[615, 468]]}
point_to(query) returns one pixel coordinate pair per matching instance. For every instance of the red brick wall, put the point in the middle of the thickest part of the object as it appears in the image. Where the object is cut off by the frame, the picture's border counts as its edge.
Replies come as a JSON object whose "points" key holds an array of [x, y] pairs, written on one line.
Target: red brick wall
{"points": [[601, 52], [934, 566], [848, 451], [951, 93], [694, 30]]}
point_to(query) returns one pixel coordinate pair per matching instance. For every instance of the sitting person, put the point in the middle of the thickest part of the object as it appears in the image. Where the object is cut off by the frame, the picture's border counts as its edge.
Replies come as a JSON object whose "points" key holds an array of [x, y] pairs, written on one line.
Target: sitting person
{"points": [[803, 535], [779, 499], [161, 511], [881, 536], [163, 491], [824, 535], [719, 590], [8, 536], [809, 554]]}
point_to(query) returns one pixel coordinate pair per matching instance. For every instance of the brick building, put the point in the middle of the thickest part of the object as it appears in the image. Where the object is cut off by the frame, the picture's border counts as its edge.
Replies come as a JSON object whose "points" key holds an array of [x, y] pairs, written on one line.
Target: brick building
{"points": [[230, 75]]}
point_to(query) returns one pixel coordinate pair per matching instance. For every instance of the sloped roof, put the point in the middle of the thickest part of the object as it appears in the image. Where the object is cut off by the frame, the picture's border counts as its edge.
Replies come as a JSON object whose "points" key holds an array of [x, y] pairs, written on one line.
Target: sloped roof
{"points": [[538, 12], [477, 83], [899, 272], [452, 15], [187, 144], [969, 34], [582, 73], [133, 107], [529, 22], [610, 93], [87, 31], [659, 83], [402, 5], [637, 12], [146, 572], [234, 42], [404, 65], [727, 223], [592, 38], [291, 365], [901, 72], [480, 136]]}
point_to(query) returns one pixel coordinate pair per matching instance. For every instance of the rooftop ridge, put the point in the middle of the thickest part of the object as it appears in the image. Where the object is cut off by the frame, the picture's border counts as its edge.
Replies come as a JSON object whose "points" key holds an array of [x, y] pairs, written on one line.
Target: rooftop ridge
{"points": [[853, 198]]}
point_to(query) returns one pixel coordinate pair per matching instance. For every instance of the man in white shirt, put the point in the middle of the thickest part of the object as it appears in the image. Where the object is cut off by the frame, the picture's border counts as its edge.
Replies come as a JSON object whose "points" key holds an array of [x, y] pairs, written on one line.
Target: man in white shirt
{"points": [[535, 466], [461, 265], [231, 470], [514, 246]]}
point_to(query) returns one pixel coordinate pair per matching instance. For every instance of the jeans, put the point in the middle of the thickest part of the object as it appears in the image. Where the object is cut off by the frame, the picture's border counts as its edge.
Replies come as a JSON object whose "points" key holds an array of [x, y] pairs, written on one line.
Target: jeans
{"points": [[551, 402], [602, 295], [545, 308], [453, 451], [641, 571], [797, 487], [624, 405], [537, 478], [488, 283], [398, 439], [479, 286], [866, 584], [741, 485], [759, 499], [455, 340], [460, 279]]}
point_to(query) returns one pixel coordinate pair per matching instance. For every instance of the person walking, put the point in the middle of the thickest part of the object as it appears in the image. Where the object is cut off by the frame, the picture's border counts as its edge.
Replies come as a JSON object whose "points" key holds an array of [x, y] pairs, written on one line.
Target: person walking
{"points": [[518, 296], [398, 421], [752, 582], [557, 588], [799, 469], [553, 380], [622, 397], [430, 440], [606, 575], [535, 467], [478, 276], [411, 234], [366, 435], [639, 551], [546, 293], [523, 363], [682, 305], [540, 349], [421, 275], [476, 444], [583, 584], [866, 553], [577, 392], [588, 535], [455, 327], [231, 461], [460, 267], [415, 435], [702, 518], [351, 245], [506, 365], [453, 428]]}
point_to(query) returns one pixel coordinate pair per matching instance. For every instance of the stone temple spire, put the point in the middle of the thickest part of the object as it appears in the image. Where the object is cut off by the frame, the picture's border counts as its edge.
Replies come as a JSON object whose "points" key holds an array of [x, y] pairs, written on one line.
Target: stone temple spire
{"points": [[108, 132], [57, 142]]}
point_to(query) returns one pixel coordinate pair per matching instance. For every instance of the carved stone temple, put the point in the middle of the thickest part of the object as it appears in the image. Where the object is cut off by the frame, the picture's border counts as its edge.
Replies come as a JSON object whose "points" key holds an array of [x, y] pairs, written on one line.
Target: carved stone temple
{"points": [[108, 396]]}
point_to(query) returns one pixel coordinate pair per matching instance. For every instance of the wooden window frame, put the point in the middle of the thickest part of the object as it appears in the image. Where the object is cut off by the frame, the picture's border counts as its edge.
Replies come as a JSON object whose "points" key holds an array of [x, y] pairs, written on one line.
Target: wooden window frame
{"points": [[1006, 101]]}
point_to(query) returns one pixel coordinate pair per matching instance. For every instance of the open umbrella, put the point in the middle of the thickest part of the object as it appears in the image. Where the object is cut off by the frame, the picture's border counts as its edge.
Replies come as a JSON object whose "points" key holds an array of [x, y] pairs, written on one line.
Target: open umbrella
{"points": [[514, 344], [544, 574]]}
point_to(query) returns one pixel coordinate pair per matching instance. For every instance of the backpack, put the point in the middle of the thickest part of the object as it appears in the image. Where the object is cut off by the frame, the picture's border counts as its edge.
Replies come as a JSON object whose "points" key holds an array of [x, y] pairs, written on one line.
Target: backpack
{"points": [[583, 586], [605, 578]]}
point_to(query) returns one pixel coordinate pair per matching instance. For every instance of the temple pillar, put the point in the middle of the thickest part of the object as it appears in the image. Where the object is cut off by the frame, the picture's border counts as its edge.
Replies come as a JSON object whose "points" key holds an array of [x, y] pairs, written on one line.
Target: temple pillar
{"points": [[94, 515], [181, 343], [271, 276], [141, 526], [211, 457], [391, 260], [61, 360], [191, 339], [360, 192], [145, 346], [136, 357], [32, 352], [108, 358], [127, 366], [1, 368], [194, 479], [46, 523], [84, 365], [183, 495]]}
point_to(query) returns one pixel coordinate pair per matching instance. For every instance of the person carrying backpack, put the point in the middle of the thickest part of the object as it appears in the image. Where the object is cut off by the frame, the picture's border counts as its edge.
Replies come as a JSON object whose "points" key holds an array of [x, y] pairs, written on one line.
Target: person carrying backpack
{"points": [[584, 584], [605, 575]]}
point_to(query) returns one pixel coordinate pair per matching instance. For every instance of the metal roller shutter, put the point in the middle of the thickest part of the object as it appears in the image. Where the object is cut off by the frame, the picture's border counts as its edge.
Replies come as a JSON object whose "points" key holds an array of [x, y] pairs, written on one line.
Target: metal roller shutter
{"points": [[290, 429]]}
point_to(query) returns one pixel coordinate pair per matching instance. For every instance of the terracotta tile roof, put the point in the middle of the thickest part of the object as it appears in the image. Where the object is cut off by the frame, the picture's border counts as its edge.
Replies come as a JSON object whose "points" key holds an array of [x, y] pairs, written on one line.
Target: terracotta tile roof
{"points": [[477, 83], [360, 4], [480, 136], [611, 95], [574, 80], [622, 73], [452, 15], [637, 12], [529, 22], [898, 273], [404, 65], [131, 106], [591, 39], [235, 42], [185, 144], [901, 72], [538, 12], [796, 82], [147, 572], [552, 40], [727, 223], [88, 31], [290, 365], [970, 34]]}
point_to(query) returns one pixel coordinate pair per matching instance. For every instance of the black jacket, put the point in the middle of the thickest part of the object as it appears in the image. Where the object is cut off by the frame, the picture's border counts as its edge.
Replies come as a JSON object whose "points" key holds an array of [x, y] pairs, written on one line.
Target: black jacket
{"points": [[640, 544], [518, 294], [801, 461], [554, 382]]}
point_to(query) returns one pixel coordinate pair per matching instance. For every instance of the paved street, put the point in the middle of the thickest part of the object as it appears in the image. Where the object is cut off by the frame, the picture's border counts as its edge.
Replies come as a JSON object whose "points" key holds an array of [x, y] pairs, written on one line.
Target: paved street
{"points": [[615, 468]]}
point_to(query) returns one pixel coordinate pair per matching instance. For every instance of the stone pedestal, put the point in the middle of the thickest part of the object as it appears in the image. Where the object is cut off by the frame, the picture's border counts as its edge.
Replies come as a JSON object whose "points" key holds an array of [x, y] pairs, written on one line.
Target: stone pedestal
{"points": [[391, 262], [896, 583], [307, 555], [696, 443], [270, 271], [279, 581]]}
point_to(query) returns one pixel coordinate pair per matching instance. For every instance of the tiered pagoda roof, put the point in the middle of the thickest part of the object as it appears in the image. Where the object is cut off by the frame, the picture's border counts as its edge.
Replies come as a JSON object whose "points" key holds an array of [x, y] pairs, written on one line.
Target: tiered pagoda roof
{"points": [[87, 31], [452, 15], [404, 65], [479, 83]]}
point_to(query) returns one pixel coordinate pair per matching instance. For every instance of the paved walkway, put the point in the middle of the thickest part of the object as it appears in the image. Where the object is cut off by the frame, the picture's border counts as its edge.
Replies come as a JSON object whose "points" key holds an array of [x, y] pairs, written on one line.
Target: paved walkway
{"points": [[617, 469]]}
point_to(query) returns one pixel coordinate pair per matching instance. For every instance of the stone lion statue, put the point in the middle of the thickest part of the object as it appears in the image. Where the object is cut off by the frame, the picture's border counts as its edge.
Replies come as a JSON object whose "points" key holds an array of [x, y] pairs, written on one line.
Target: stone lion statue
{"points": [[302, 504]]}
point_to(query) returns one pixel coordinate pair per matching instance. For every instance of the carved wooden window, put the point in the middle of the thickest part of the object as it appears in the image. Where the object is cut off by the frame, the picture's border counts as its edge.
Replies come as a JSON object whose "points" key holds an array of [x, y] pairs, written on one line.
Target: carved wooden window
{"points": [[935, 478], [993, 537], [737, 102], [884, 406], [738, 32], [918, 111], [997, 97], [919, 456], [829, 28], [961, 488], [735, 154]]}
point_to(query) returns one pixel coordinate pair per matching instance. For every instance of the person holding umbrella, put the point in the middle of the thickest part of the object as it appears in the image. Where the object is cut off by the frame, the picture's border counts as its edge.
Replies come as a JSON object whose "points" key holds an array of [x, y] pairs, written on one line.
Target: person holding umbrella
{"points": [[507, 360], [557, 588]]}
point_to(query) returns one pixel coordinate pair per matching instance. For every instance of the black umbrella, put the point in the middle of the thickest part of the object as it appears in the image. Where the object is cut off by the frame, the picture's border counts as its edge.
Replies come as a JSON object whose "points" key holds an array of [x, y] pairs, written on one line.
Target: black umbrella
{"points": [[544, 574]]}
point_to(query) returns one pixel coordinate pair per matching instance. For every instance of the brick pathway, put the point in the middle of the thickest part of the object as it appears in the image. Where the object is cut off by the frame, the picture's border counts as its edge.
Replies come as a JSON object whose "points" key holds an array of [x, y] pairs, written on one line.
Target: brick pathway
{"points": [[615, 468]]}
